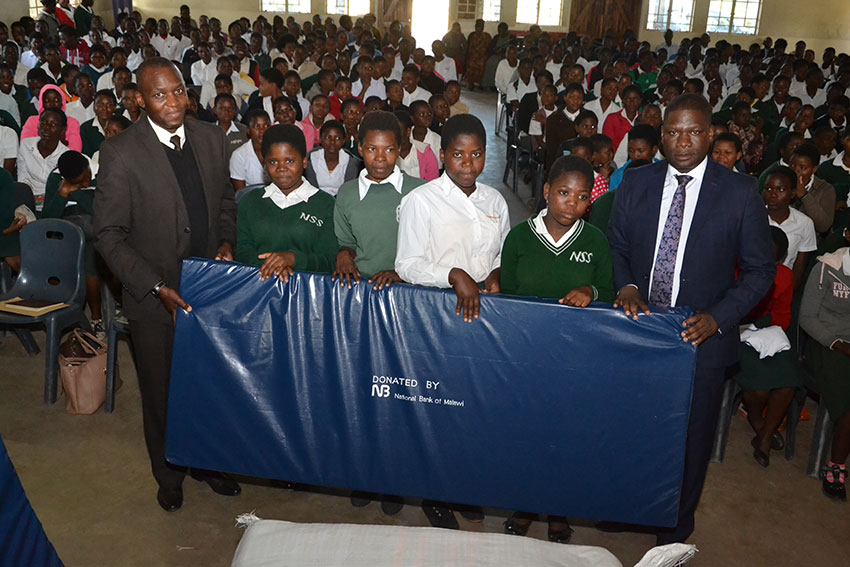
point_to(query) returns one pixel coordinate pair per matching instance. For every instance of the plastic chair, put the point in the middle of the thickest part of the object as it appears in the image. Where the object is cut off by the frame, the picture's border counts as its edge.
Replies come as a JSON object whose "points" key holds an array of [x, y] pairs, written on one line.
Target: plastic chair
{"points": [[115, 323], [501, 111], [516, 156], [51, 270], [247, 189], [822, 435]]}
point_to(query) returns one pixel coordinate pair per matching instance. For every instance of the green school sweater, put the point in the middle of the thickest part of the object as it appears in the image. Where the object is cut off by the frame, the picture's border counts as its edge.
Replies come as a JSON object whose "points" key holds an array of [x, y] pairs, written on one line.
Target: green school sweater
{"points": [[370, 227], [305, 229], [531, 266], [54, 203], [91, 137], [836, 176], [10, 244], [600, 214]]}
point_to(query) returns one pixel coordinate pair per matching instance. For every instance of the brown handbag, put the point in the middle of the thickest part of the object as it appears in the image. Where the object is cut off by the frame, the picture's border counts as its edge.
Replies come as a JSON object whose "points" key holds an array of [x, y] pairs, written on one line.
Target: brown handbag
{"points": [[82, 369]]}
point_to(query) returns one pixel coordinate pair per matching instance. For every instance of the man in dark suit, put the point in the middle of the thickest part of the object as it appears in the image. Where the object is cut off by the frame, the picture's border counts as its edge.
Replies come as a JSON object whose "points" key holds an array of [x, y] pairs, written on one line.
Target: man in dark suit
{"points": [[679, 229], [163, 194]]}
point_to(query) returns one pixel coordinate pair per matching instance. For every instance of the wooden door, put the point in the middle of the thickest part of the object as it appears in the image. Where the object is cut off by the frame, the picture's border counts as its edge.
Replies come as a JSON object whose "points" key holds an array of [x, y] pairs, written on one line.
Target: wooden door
{"points": [[596, 17]]}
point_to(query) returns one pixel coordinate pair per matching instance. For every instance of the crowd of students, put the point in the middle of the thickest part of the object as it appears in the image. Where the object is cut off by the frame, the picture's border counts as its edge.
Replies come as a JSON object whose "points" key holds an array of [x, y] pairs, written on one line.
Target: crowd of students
{"points": [[352, 154]]}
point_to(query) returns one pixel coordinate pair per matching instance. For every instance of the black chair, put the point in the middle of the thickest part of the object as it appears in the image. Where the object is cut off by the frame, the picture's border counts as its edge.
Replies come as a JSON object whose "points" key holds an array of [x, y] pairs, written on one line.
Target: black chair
{"points": [[51, 270], [822, 435], [516, 156], [538, 202]]}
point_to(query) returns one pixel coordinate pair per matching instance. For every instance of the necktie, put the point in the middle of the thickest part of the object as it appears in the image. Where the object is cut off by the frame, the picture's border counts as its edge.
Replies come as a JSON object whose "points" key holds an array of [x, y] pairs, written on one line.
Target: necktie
{"points": [[665, 261], [175, 141]]}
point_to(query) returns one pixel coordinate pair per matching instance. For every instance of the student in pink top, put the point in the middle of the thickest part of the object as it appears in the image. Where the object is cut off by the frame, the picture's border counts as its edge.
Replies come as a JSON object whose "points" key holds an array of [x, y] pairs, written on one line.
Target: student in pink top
{"points": [[52, 96], [422, 164]]}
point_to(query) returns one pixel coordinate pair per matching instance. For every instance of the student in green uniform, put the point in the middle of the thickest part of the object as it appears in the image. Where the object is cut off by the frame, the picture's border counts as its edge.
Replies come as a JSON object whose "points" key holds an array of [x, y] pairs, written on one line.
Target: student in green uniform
{"points": [[10, 238], [288, 225], [365, 218], [92, 132], [69, 195], [557, 254], [366, 225]]}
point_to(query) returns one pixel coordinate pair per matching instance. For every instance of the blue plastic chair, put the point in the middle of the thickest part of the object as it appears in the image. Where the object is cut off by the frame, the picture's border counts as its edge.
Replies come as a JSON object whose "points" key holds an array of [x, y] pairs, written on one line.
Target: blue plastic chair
{"points": [[51, 270], [247, 189]]}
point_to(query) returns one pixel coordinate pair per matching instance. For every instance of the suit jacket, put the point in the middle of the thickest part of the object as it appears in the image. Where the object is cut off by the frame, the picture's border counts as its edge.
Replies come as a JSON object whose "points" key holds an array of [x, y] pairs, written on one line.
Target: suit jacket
{"points": [[140, 219], [729, 230]]}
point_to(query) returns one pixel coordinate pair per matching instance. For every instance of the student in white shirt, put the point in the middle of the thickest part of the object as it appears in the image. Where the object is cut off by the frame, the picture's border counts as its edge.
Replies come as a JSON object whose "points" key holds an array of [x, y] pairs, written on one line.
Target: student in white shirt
{"points": [[421, 135], [606, 103], [443, 66], [800, 230], [246, 167], [204, 69], [523, 85], [8, 149], [328, 167], [410, 85], [506, 70], [82, 109], [366, 85], [37, 157], [451, 230]]}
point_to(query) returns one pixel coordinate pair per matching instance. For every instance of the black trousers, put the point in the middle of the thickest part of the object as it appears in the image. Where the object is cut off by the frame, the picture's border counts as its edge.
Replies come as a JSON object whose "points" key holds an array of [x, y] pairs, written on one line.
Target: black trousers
{"points": [[705, 409], [153, 343]]}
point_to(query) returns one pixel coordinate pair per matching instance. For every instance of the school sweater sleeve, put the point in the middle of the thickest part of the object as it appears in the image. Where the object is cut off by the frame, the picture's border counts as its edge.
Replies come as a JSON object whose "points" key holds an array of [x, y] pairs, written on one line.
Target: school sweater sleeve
{"points": [[246, 247], [342, 224], [54, 203], [510, 260], [603, 271]]}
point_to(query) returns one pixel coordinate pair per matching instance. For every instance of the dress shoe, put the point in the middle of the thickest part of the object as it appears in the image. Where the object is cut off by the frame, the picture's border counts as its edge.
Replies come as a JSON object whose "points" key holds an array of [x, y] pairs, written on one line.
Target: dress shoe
{"points": [[391, 505], [516, 525], [360, 499], [440, 515], [170, 498], [777, 443], [219, 482], [760, 456], [834, 490], [559, 530], [471, 513]]}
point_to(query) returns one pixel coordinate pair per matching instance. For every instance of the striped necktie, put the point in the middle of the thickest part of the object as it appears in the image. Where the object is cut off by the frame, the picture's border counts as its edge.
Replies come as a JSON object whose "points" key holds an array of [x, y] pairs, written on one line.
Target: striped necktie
{"points": [[665, 261]]}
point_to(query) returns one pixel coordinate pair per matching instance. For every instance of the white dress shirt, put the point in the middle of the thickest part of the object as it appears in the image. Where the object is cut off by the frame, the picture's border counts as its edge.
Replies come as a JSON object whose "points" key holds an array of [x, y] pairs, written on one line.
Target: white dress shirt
{"points": [[76, 110], [245, 165], [446, 68], [8, 144], [409, 164], [518, 89], [163, 135], [505, 75], [376, 88], [105, 81], [329, 181], [595, 106], [396, 179], [692, 190], [440, 228], [800, 230], [8, 103], [418, 94], [301, 194], [33, 169]]}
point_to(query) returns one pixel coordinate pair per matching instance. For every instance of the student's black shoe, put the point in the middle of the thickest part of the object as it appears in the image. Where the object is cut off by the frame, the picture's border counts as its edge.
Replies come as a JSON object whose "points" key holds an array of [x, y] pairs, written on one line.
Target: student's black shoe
{"points": [[760, 456], [516, 525], [440, 515], [360, 499], [471, 513], [834, 490], [391, 505], [559, 530], [170, 499], [219, 482], [777, 443]]}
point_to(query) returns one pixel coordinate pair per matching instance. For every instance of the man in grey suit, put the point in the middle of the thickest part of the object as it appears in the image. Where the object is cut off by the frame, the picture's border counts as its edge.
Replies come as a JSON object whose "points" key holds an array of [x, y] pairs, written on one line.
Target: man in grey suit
{"points": [[163, 194]]}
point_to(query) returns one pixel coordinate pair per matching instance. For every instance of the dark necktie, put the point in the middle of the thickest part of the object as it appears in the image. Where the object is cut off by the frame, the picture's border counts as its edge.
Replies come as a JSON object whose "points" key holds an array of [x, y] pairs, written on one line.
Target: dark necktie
{"points": [[175, 141], [665, 261]]}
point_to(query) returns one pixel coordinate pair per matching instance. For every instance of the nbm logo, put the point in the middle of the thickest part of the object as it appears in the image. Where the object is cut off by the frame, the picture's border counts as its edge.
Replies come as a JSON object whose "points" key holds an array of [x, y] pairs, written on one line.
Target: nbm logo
{"points": [[583, 257], [380, 390], [312, 219]]}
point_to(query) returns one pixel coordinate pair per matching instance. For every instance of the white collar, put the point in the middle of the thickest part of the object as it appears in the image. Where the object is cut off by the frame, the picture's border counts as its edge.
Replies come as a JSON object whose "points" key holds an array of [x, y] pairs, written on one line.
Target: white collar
{"points": [[97, 125], [299, 195], [448, 187], [810, 183], [164, 136], [696, 173], [632, 121], [395, 179], [539, 227], [232, 128], [571, 116], [845, 262], [839, 162]]}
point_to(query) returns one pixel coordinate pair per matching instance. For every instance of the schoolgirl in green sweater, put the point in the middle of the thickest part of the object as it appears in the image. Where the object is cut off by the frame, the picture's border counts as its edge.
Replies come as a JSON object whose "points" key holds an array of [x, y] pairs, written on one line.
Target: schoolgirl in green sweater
{"points": [[287, 225], [557, 254]]}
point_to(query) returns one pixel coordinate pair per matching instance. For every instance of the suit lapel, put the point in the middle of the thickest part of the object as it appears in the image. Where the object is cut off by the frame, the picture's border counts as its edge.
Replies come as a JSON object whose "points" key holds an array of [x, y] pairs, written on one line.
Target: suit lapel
{"points": [[709, 195]]}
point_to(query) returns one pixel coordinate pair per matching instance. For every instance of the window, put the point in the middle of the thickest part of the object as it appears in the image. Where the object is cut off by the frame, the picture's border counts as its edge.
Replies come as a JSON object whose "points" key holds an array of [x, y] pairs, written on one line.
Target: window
{"points": [[670, 14], [734, 16], [292, 6], [35, 8], [350, 7], [491, 10], [466, 9], [541, 12]]}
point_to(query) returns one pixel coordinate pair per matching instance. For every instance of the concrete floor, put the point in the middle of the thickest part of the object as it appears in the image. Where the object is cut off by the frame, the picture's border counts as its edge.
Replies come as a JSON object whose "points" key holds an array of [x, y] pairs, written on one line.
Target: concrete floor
{"points": [[89, 482]]}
